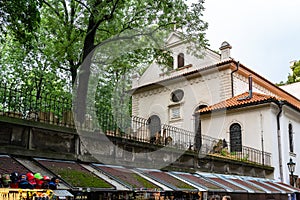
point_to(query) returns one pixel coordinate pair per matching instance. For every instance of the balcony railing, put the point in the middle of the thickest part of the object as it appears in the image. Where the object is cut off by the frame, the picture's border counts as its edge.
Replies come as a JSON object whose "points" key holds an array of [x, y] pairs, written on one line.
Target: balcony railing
{"points": [[222, 148], [17, 103]]}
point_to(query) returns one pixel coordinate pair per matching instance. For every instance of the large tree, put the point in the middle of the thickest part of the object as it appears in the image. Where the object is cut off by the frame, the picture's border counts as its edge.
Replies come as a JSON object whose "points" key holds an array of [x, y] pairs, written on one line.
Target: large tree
{"points": [[295, 76], [71, 29]]}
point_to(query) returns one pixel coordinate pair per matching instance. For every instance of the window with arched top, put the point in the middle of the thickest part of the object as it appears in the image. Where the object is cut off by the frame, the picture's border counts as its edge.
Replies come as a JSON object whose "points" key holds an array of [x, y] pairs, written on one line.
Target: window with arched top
{"points": [[235, 132], [180, 60], [291, 138], [154, 125]]}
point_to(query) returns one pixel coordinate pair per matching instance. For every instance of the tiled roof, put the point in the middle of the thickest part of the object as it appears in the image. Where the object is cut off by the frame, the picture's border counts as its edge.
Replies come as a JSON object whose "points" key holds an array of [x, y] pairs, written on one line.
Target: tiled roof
{"points": [[239, 101]]}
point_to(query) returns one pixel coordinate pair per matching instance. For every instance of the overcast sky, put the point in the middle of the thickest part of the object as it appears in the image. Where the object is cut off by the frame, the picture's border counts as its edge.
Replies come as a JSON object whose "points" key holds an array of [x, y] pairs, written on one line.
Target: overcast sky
{"points": [[264, 34]]}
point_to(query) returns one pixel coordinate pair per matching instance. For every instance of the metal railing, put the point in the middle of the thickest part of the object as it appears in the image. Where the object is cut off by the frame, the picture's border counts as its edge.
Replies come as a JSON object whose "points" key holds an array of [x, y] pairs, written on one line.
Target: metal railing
{"points": [[28, 104], [17, 103], [222, 148]]}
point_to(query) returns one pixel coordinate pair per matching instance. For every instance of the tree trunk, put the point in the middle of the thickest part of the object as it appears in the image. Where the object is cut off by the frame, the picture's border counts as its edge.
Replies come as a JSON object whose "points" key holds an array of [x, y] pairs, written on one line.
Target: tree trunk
{"points": [[84, 72]]}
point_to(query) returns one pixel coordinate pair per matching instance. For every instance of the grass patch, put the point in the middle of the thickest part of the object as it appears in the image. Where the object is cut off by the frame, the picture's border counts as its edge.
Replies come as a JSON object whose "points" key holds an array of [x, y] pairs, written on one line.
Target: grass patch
{"points": [[81, 179]]}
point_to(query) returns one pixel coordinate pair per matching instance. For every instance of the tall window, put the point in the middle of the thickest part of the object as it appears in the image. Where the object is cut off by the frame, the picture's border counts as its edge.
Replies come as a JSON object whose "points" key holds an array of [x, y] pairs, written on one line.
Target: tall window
{"points": [[180, 60], [235, 138], [154, 126], [291, 138]]}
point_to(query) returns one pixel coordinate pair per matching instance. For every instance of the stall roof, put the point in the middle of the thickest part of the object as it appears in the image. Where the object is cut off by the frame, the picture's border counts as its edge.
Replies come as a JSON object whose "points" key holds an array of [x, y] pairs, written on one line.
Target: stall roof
{"points": [[168, 180], [76, 175], [62, 193], [261, 183], [138, 179], [201, 182], [128, 178], [9, 165], [230, 186]]}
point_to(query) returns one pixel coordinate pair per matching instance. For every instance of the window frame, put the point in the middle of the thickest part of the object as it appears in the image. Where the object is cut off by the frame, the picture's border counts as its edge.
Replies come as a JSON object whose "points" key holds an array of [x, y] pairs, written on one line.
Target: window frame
{"points": [[235, 140]]}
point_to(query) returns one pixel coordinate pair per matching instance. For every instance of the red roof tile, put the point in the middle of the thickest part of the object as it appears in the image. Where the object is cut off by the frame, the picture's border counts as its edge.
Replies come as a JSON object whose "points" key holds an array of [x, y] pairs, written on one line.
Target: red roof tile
{"points": [[240, 100]]}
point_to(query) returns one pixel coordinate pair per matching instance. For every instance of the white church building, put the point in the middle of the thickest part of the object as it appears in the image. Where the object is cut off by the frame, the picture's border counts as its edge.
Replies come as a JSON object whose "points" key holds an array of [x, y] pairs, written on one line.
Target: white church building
{"points": [[219, 97]]}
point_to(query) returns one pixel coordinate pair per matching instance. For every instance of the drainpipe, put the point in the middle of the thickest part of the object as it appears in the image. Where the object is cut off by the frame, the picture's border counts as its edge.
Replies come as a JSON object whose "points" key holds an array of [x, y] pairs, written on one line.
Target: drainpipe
{"points": [[279, 104], [232, 88]]}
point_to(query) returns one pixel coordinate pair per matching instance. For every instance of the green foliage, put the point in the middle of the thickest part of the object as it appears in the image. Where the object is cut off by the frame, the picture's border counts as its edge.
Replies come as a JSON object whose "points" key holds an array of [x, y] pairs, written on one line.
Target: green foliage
{"points": [[144, 182], [224, 152], [45, 42], [20, 18], [245, 158], [295, 76]]}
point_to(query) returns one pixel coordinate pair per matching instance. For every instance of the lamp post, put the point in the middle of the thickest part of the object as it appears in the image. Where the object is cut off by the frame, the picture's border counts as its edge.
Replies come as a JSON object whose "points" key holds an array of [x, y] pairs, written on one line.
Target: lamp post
{"points": [[291, 166]]}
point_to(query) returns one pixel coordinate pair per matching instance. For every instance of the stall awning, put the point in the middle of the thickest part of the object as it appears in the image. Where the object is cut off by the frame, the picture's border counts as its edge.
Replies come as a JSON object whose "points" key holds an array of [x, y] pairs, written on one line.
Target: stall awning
{"points": [[62, 193]]}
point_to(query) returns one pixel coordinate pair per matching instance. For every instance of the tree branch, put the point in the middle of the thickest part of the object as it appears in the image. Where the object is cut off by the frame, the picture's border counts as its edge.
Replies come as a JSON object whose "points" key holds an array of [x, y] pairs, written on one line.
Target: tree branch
{"points": [[85, 6], [53, 9], [66, 12]]}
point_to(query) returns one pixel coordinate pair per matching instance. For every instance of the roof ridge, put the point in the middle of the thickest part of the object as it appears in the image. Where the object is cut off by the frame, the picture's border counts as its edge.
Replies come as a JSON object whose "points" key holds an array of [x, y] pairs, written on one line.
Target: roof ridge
{"points": [[237, 101]]}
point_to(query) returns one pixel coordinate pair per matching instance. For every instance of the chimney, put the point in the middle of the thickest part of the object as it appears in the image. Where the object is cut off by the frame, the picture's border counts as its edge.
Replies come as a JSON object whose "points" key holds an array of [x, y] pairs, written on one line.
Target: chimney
{"points": [[250, 86], [250, 90], [135, 80], [225, 50]]}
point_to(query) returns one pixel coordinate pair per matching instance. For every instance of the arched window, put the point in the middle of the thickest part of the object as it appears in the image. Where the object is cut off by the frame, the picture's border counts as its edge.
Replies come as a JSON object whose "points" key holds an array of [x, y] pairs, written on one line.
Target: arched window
{"points": [[154, 126], [180, 60], [291, 138], [235, 138]]}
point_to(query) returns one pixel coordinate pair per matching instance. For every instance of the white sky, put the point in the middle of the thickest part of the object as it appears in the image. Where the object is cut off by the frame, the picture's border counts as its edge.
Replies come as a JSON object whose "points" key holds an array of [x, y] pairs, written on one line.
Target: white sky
{"points": [[264, 34]]}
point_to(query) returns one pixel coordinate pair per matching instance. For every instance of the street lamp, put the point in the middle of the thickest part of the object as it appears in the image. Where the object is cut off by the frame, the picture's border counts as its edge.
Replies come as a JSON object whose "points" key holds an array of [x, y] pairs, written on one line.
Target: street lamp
{"points": [[291, 166]]}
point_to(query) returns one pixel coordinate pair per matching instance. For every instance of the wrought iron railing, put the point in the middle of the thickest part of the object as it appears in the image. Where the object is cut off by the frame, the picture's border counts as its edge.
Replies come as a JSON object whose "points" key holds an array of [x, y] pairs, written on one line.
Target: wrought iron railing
{"points": [[222, 148], [17, 103], [29, 104]]}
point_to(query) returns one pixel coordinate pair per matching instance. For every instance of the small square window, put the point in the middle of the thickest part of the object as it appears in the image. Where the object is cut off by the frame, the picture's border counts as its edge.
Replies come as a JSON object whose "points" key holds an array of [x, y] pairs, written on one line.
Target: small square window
{"points": [[175, 113]]}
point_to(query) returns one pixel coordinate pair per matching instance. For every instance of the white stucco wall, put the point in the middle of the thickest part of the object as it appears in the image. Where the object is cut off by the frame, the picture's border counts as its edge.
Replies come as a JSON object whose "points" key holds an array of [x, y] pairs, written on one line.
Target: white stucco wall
{"points": [[290, 117], [211, 87], [257, 122], [155, 72], [205, 90]]}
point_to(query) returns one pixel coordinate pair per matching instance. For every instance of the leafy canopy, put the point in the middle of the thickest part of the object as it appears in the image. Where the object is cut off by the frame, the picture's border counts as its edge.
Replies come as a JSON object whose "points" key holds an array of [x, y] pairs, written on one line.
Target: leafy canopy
{"points": [[48, 45]]}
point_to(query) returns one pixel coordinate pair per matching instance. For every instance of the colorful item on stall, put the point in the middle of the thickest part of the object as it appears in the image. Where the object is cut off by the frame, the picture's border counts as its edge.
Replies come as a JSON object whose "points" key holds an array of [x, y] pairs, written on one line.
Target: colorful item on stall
{"points": [[24, 184], [54, 182], [14, 177], [6, 180], [46, 181], [39, 180], [31, 179]]}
